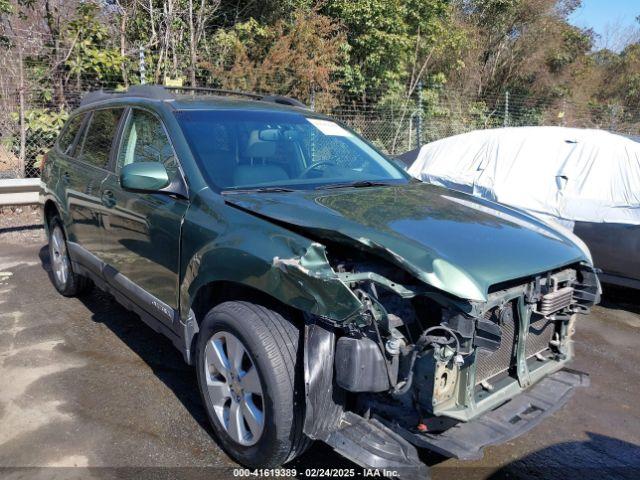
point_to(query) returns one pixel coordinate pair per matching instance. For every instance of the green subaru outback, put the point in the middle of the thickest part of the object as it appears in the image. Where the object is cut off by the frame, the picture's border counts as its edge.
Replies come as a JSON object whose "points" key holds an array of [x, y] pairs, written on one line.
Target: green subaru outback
{"points": [[319, 291]]}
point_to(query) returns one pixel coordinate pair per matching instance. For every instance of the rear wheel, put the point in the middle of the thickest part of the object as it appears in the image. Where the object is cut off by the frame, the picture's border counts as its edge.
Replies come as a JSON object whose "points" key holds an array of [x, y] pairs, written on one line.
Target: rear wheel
{"points": [[66, 281], [246, 363]]}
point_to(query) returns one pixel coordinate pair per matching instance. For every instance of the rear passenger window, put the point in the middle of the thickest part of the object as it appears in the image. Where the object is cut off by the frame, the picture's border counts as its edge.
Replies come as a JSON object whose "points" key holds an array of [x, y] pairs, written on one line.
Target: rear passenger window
{"points": [[144, 140], [99, 136], [68, 135]]}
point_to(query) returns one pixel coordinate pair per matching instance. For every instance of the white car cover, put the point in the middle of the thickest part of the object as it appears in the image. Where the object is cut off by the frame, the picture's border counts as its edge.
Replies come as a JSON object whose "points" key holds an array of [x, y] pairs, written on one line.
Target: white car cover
{"points": [[563, 174]]}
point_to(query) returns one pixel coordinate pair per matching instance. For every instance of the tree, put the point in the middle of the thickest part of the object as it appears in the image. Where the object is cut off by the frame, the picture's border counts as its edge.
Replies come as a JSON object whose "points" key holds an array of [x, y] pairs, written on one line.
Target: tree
{"points": [[296, 58], [92, 53]]}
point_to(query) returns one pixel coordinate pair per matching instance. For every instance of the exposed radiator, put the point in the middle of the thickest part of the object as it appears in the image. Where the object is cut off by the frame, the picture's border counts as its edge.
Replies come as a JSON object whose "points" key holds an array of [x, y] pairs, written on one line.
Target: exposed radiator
{"points": [[540, 333], [489, 364]]}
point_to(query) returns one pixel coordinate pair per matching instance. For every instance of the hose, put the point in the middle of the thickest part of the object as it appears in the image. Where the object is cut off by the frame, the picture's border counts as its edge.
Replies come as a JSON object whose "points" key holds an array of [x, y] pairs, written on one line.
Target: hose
{"points": [[425, 334], [409, 380]]}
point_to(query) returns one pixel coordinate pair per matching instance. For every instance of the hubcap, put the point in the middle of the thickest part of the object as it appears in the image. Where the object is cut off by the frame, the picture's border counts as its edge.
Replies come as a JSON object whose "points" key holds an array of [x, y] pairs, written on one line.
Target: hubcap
{"points": [[234, 388], [59, 258]]}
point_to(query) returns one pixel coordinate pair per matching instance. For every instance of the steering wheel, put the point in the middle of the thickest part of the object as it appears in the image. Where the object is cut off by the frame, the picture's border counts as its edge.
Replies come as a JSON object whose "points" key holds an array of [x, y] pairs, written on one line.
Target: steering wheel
{"points": [[315, 165]]}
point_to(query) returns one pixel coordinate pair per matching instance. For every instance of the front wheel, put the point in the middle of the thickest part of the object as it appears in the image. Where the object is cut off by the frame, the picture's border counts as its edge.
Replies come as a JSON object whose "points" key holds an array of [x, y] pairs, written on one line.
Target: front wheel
{"points": [[246, 364]]}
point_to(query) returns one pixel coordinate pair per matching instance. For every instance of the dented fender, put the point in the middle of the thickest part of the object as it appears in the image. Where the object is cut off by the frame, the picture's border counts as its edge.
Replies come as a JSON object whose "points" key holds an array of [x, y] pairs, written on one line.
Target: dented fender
{"points": [[262, 256]]}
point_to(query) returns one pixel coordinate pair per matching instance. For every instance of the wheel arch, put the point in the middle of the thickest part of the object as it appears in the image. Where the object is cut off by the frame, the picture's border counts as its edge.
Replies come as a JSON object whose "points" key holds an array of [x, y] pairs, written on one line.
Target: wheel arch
{"points": [[50, 209], [217, 292]]}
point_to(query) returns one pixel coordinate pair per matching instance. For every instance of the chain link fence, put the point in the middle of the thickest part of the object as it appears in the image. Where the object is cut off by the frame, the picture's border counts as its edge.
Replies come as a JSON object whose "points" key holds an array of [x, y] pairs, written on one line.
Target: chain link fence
{"points": [[29, 123], [28, 128]]}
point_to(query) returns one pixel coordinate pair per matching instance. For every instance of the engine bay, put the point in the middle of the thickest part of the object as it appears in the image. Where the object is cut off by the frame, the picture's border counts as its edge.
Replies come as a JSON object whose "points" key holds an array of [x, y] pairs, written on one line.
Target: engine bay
{"points": [[424, 361]]}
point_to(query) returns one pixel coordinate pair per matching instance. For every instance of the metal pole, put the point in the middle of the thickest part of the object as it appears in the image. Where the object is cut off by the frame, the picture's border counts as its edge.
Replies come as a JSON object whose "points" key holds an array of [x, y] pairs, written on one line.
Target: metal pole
{"points": [[419, 122], [313, 99], [142, 67], [23, 128], [506, 109]]}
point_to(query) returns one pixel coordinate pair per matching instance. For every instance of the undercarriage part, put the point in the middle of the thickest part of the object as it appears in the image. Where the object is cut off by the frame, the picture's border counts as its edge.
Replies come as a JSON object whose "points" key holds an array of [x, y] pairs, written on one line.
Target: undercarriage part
{"points": [[324, 401], [366, 442], [467, 440], [360, 366], [371, 444]]}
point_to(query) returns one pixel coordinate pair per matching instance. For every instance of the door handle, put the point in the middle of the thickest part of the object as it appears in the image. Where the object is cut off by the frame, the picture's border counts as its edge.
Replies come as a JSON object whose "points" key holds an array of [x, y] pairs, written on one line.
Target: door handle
{"points": [[108, 198]]}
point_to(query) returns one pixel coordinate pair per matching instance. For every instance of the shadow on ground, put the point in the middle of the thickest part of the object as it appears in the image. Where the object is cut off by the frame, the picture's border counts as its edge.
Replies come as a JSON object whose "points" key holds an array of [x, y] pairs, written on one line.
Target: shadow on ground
{"points": [[596, 458]]}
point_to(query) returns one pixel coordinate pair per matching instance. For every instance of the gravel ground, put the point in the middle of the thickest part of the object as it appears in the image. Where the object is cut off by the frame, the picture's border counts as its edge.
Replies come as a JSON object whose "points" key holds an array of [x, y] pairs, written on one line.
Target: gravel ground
{"points": [[20, 225], [89, 389]]}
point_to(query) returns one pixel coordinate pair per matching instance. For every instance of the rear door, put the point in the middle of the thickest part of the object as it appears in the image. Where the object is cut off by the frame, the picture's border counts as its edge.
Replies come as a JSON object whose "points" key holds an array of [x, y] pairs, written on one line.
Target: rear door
{"points": [[58, 169], [141, 234], [84, 176]]}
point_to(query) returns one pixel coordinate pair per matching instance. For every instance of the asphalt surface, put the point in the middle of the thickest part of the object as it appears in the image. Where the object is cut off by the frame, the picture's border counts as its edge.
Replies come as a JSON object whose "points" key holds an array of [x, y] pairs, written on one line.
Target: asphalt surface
{"points": [[84, 383]]}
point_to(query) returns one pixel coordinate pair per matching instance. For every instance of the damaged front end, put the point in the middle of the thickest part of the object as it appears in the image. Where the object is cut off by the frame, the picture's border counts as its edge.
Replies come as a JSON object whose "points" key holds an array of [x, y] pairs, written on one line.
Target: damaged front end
{"points": [[417, 367]]}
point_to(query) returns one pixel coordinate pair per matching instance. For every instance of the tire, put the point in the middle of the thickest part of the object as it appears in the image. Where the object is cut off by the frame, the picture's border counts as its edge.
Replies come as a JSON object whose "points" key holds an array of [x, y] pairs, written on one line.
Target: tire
{"points": [[270, 344], [66, 281]]}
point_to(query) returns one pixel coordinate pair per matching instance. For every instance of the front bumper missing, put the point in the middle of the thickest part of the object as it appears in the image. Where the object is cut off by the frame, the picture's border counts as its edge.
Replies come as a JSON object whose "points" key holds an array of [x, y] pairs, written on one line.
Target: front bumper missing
{"points": [[378, 444], [511, 419]]}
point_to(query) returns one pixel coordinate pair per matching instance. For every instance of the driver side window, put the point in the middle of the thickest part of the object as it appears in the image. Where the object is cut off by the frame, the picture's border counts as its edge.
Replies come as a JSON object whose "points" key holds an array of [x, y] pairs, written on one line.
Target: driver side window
{"points": [[144, 140]]}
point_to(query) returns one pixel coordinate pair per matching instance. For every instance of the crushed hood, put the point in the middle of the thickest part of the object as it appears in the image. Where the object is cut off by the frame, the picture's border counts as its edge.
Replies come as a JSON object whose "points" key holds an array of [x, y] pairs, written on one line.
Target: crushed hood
{"points": [[455, 242]]}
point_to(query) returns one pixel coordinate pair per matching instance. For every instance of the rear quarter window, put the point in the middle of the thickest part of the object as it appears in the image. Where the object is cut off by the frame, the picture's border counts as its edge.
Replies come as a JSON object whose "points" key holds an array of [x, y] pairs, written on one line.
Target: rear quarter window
{"points": [[99, 136], [66, 140]]}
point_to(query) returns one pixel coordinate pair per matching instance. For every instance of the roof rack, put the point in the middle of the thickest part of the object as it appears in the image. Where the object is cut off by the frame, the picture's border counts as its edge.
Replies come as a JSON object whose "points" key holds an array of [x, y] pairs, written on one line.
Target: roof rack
{"points": [[160, 92]]}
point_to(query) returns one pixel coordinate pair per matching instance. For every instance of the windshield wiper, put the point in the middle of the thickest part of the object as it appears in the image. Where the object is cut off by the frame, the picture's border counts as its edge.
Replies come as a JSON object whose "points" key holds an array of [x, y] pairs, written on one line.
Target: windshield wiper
{"points": [[259, 190], [358, 184]]}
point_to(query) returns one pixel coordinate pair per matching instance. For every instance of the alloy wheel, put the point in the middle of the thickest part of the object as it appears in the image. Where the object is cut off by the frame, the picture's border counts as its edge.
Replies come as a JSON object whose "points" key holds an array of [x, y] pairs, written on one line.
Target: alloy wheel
{"points": [[234, 388], [59, 257]]}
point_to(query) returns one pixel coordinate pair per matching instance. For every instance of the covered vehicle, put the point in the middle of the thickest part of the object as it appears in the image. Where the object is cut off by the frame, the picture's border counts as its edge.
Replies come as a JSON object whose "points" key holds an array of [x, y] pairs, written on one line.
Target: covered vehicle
{"points": [[583, 179]]}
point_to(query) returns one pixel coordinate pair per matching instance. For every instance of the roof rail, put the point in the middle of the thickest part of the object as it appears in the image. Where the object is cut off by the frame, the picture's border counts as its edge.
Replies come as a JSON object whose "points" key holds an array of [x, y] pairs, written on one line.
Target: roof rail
{"points": [[156, 92], [96, 96], [282, 100], [159, 92]]}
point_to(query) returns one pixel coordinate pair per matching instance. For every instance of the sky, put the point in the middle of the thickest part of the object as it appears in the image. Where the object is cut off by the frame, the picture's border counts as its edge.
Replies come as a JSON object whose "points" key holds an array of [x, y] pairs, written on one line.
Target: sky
{"points": [[613, 20]]}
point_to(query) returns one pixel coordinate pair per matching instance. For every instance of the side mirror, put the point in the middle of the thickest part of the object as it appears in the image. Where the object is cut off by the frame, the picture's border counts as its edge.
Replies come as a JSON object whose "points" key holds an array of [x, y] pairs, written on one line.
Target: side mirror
{"points": [[144, 177]]}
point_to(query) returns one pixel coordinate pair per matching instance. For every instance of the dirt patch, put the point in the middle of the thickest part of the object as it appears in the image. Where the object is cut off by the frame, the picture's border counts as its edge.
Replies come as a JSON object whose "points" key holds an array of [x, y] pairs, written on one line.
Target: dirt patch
{"points": [[8, 161], [21, 225]]}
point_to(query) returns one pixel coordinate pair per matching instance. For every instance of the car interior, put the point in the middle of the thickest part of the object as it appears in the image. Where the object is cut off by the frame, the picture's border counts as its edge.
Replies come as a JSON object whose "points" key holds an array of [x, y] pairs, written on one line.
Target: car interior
{"points": [[240, 154]]}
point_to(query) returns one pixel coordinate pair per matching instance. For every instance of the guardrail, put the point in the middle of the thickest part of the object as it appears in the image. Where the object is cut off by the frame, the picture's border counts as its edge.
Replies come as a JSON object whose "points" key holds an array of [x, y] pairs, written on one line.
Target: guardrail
{"points": [[19, 191]]}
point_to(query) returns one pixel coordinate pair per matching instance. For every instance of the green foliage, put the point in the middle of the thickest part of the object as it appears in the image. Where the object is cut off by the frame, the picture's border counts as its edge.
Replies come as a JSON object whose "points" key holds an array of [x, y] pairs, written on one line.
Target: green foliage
{"points": [[294, 58], [575, 44], [5, 7], [92, 53], [386, 36], [367, 56], [265, 12], [42, 127]]}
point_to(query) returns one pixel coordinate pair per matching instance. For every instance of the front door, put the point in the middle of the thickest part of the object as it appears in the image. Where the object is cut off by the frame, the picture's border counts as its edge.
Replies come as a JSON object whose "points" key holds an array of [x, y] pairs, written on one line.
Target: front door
{"points": [[141, 231]]}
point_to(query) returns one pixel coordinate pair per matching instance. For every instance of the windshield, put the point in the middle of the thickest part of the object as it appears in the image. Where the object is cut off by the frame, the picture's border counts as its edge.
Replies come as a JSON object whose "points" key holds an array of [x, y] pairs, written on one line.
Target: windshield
{"points": [[248, 149]]}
